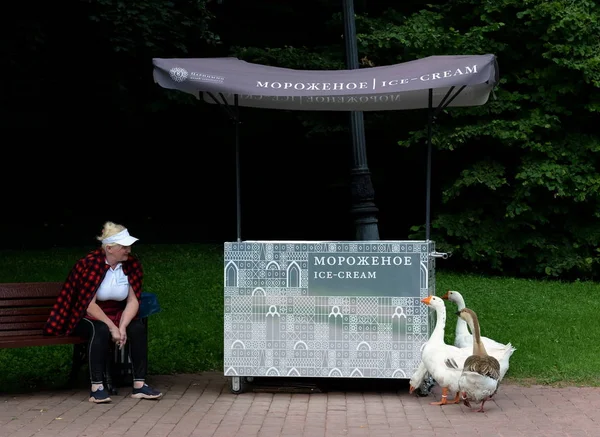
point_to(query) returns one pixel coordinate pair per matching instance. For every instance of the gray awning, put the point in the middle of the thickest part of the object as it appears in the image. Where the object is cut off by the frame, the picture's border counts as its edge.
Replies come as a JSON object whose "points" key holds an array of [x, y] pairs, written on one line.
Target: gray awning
{"points": [[393, 87]]}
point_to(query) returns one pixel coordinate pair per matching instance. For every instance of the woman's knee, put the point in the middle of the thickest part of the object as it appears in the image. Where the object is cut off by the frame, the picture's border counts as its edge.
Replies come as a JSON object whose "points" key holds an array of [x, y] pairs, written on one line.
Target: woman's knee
{"points": [[101, 331]]}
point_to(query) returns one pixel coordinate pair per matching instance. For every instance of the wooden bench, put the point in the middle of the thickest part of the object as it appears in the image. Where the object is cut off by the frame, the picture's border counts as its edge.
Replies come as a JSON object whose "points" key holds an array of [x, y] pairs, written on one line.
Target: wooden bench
{"points": [[24, 309]]}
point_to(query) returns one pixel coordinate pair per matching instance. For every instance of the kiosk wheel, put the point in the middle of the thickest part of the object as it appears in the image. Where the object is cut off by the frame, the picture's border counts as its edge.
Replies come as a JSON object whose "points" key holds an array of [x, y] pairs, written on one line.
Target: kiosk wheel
{"points": [[239, 384]]}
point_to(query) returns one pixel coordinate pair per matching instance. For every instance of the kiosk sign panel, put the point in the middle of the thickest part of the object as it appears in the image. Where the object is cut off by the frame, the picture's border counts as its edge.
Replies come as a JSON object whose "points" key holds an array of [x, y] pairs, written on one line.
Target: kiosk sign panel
{"points": [[359, 274], [326, 309]]}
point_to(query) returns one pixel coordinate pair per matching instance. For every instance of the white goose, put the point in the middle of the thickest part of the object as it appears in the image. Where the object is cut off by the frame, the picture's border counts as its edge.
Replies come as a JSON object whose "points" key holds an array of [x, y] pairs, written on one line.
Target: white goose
{"points": [[436, 354], [464, 339]]}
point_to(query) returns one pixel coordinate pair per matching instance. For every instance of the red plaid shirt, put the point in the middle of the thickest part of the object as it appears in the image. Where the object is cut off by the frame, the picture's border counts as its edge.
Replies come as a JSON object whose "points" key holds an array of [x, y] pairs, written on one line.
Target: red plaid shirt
{"points": [[81, 286]]}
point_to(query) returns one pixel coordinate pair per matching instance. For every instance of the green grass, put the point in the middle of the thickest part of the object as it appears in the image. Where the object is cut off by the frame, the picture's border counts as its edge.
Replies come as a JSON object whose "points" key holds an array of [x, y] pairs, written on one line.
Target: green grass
{"points": [[553, 325]]}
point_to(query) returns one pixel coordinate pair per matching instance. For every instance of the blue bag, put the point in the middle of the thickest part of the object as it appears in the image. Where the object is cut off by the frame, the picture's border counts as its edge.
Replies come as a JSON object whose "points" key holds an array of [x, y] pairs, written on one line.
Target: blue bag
{"points": [[149, 305]]}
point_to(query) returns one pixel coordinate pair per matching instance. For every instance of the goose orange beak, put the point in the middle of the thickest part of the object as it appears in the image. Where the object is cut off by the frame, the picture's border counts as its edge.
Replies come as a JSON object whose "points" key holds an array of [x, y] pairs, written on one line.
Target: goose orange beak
{"points": [[447, 295], [426, 300]]}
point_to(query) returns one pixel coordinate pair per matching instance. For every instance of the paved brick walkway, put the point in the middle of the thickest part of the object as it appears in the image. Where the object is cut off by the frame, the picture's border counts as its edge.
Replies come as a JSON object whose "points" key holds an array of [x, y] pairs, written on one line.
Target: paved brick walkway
{"points": [[202, 406]]}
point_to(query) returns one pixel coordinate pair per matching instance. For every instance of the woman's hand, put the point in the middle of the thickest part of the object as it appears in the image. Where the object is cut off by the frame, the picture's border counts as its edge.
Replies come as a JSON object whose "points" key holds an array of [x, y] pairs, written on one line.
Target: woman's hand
{"points": [[116, 334], [123, 334]]}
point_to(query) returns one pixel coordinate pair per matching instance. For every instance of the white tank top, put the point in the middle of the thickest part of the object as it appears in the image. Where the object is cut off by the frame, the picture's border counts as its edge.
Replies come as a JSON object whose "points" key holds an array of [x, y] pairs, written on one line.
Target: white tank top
{"points": [[115, 285]]}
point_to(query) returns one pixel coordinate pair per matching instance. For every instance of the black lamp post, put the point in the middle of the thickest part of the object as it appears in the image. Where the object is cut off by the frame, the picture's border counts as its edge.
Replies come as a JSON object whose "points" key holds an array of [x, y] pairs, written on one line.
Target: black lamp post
{"points": [[363, 194]]}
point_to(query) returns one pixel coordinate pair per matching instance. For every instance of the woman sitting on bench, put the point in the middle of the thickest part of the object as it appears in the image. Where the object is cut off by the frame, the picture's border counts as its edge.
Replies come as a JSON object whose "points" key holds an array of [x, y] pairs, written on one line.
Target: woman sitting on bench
{"points": [[100, 300]]}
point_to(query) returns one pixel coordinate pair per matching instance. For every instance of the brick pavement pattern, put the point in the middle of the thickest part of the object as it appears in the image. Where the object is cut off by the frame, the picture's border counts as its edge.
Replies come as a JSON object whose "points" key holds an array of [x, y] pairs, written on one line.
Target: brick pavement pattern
{"points": [[202, 406]]}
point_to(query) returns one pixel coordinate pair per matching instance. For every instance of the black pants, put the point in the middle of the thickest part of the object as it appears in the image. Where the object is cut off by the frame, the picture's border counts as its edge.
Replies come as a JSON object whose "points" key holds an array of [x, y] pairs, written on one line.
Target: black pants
{"points": [[99, 340]]}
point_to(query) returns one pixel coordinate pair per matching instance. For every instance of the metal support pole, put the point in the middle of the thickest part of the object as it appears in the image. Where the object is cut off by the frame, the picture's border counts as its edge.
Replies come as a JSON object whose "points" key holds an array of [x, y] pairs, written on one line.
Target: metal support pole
{"points": [[234, 115], [430, 120], [237, 170], [363, 194]]}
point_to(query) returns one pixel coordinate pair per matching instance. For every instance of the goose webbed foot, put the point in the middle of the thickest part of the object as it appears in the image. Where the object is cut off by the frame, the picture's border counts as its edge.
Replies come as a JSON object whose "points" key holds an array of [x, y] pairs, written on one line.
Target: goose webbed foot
{"points": [[481, 410], [444, 400]]}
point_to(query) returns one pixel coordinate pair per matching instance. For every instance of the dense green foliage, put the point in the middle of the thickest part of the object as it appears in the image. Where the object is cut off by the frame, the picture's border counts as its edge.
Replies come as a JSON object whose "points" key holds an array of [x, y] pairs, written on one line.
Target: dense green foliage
{"points": [[516, 181]]}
